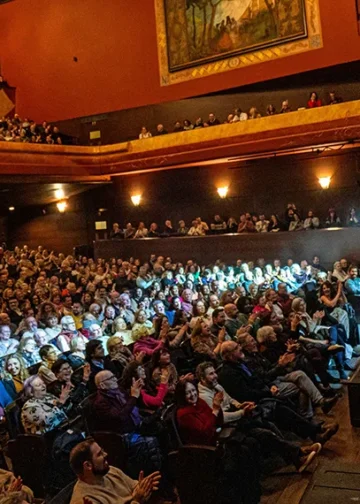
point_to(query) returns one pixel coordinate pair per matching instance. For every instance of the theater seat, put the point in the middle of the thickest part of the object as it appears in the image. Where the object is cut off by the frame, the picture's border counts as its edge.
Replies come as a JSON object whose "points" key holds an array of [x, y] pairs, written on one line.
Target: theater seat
{"points": [[13, 418], [196, 472], [27, 454], [64, 497]]}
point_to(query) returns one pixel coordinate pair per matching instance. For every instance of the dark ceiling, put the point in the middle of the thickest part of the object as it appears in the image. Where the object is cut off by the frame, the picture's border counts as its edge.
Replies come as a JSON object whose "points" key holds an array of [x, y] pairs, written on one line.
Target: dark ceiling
{"points": [[21, 195]]}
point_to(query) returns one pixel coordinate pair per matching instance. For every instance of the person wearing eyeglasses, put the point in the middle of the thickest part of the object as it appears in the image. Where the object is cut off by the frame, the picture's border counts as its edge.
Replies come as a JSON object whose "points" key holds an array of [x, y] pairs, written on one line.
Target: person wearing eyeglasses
{"points": [[77, 383]]}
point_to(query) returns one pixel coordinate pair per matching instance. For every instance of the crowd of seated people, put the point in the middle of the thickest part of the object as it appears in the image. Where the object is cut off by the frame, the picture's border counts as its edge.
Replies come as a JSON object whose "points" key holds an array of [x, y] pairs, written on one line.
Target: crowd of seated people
{"points": [[15, 129], [248, 223], [220, 342], [237, 115]]}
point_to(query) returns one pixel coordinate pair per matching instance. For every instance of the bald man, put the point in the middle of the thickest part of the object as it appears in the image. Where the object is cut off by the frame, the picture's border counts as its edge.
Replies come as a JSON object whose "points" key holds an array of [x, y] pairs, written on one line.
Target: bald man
{"points": [[115, 410]]}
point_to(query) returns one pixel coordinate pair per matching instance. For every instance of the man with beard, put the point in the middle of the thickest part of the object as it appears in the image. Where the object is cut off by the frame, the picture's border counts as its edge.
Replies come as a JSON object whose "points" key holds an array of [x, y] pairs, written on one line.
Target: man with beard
{"points": [[98, 482]]}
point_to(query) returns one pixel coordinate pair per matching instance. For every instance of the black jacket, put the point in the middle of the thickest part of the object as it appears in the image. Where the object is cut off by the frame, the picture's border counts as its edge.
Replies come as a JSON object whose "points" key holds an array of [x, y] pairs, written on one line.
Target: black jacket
{"points": [[242, 385]]}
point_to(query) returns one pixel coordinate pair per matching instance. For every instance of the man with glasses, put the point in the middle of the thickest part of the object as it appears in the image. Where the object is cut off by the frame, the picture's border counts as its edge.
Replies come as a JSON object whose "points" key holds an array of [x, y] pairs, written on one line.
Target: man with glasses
{"points": [[115, 410]]}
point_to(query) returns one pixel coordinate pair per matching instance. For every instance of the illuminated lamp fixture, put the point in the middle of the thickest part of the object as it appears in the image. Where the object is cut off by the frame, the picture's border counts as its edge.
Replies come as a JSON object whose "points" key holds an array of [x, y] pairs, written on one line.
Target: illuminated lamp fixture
{"points": [[222, 191], [136, 199], [11, 208], [61, 206], [59, 194], [325, 182]]}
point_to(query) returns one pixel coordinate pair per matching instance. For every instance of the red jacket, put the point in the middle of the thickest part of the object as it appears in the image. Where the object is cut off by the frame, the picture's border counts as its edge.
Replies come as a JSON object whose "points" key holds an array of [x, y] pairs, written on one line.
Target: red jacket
{"points": [[314, 104], [197, 424]]}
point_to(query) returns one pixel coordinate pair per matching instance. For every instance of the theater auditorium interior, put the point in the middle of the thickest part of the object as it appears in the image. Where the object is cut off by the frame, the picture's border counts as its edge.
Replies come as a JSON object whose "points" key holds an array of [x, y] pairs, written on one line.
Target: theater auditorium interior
{"points": [[179, 252]]}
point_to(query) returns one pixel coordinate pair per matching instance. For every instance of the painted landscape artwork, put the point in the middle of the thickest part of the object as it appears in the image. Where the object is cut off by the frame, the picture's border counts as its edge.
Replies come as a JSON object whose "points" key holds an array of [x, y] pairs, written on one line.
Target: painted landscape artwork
{"points": [[200, 31]]}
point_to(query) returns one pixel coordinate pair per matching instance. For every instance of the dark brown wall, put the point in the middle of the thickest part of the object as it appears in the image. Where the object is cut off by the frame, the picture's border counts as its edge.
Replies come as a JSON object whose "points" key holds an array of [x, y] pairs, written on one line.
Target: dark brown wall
{"points": [[115, 43], [329, 245], [125, 125], [259, 186], [56, 231]]}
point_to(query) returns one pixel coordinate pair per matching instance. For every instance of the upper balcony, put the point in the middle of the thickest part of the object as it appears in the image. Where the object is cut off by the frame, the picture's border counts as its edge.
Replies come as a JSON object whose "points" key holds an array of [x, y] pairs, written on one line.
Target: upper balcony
{"points": [[226, 144]]}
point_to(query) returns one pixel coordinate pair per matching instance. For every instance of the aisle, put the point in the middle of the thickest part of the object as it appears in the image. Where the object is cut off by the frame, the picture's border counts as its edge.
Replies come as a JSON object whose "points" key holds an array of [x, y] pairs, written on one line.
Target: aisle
{"points": [[288, 487]]}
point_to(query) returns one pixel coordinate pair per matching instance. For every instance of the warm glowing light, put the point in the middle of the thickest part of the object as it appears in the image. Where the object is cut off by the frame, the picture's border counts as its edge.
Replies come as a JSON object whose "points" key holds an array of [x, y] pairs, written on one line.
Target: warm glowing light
{"points": [[59, 194], [11, 208], [61, 205], [325, 182], [222, 191], [136, 199]]}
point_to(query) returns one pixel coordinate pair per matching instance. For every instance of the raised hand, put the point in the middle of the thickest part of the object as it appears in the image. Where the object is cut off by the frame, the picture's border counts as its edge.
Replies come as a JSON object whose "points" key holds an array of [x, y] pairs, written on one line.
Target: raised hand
{"points": [[146, 486], [136, 388]]}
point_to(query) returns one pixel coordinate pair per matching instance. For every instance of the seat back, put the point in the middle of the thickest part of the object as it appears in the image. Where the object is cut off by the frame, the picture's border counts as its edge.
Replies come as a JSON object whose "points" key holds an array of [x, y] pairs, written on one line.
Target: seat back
{"points": [[64, 497], [13, 418], [197, 474], [27, 453], [114, 446], [85, 410]]}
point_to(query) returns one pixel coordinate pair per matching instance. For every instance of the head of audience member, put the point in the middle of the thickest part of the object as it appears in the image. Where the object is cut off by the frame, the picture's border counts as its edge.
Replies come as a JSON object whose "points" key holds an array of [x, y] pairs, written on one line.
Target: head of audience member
{"points": [[206, 374], [231, 311], [106, 380], [244, 305], [78, 344], [62, 370], [31, 324], [231, 351], [159, 308], [266, 336], [186, 394], [15, 367], [35, 387], [219, 317], [353, 272], [248, 343], [114, 345], [68, 323], [48, 354], [95, 331], [94, 351], [88, 461], [270, 110]]}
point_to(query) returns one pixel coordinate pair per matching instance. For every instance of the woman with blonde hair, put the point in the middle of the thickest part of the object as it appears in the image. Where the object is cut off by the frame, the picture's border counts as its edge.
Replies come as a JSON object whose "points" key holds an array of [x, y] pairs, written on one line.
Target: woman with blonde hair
{"points": [[118, 356], [15, 370]]}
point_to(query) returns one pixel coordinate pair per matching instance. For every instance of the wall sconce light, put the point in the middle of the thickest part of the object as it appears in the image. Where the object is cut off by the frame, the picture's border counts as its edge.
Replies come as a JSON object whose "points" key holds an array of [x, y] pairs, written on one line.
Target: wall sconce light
{"points": [[11, 208], [136, 199], [222, 191], [59, 194], [325, 182], [61, 206]]}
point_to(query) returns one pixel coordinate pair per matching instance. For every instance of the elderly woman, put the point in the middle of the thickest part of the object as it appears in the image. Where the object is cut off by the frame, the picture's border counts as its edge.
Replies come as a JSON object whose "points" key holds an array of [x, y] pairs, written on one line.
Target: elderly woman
{"points": [[200, 312], [108, 322], [29, 351], [16, 372], [118, 355], [42, 412], [142, 326], [205, 343]]}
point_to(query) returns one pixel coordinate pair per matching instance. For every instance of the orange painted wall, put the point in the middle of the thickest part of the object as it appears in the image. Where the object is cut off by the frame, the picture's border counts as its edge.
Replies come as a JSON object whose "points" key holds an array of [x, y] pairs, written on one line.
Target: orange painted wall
{"points": [[117, 68]]}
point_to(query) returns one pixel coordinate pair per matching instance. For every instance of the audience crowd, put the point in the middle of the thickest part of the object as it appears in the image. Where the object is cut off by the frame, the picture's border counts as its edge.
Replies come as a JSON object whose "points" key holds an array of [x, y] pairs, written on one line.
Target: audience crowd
{"points": [[251, 345], [238, 115], [15, 129], [248, 223]]}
